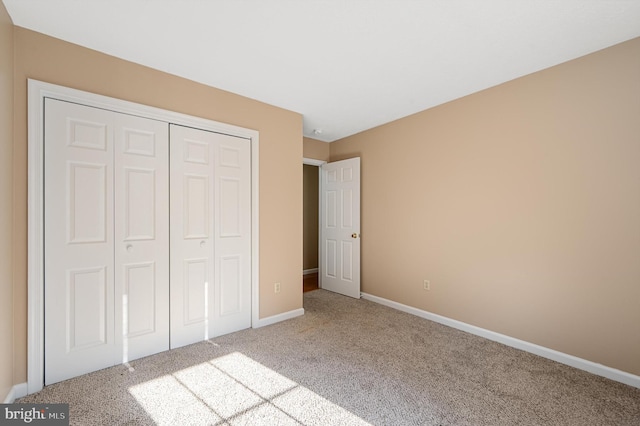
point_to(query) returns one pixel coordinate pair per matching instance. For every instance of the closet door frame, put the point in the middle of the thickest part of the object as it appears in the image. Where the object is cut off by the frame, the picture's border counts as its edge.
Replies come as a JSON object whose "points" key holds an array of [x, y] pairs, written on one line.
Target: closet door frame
{"points": [[37, 92]]}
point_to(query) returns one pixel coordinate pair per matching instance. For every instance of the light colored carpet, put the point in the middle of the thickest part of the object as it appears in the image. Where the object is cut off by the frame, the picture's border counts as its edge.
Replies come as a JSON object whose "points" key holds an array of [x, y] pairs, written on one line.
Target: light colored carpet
{"points": [[344, 362]]}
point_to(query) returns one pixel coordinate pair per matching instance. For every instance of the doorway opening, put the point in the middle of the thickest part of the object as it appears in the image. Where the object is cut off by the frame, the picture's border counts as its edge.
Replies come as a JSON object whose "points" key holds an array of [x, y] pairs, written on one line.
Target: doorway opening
{"points": [[338, 245], [311, 221]]}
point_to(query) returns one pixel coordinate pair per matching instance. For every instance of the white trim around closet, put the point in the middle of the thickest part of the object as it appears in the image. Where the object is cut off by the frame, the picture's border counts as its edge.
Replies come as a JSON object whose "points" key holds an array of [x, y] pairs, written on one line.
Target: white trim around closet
{"points": [[38, 91]]}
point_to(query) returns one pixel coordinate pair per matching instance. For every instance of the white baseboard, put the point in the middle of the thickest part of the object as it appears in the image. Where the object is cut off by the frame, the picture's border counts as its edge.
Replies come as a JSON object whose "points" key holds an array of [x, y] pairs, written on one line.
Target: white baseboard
{"points": [[280, 317], [11, 396], [573, 361], [309, 271], [20, 390], [17, 391]]}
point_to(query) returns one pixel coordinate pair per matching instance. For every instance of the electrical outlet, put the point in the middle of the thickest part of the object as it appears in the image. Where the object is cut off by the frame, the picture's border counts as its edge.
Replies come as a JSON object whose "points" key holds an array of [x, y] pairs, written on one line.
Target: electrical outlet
{"points": [[276, 287], [427, 285]]}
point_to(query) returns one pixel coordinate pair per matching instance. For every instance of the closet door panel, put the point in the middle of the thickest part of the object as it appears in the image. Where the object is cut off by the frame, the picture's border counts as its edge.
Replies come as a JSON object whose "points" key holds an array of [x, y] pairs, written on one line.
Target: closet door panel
{"points": [[141, 236], [232, 306], [192, 219], [106, 239], [78, 255], [210, 234]]}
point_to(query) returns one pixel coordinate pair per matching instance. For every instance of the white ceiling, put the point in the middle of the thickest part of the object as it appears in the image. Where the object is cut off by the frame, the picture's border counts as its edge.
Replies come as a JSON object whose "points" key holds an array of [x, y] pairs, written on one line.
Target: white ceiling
{"points": [[346, 65]]}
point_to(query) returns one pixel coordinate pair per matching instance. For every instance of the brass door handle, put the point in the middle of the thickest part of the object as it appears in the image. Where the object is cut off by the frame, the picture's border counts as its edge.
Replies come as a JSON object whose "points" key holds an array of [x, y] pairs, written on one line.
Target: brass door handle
{"points": [[354, 235]]}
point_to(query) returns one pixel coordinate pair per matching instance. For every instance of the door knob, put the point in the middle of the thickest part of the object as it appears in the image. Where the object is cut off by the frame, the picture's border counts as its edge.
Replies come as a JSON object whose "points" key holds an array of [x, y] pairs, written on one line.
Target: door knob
{"points": [[129, 248], [354, 235]]}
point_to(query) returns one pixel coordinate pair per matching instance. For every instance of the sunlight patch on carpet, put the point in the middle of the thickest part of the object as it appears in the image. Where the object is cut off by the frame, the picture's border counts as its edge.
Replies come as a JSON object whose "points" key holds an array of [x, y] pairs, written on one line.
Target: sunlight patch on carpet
{"points": [[238, 390]]}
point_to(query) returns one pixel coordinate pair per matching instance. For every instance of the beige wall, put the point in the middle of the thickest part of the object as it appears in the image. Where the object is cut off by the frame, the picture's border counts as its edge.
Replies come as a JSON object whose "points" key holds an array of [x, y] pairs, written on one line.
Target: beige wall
{"points": [[310, 217], [520, 203], [6, 194], [44, 58], [315, 149]]}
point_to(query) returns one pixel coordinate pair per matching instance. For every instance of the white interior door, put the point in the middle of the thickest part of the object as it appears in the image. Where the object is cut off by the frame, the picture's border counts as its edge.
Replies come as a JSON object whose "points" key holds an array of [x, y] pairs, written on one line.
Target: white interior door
{"points": [[106, 245], [210, 234], [340, 227]]}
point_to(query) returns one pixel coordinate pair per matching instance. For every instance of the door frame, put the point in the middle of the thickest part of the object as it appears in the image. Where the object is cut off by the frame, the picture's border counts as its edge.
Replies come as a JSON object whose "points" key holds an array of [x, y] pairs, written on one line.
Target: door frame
{"points": [[37, 92], [317, 163]]}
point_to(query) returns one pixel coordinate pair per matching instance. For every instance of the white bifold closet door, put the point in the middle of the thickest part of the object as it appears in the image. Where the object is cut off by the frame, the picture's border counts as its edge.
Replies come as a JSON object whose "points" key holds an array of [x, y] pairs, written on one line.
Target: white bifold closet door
{"points": [[210, 234], [106, 239]]}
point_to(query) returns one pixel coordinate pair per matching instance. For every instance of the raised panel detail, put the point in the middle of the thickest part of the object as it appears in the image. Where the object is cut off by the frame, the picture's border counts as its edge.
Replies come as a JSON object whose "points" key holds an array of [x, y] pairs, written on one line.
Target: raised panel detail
{"points": [[331, 257], [86, 308], [139, 299], [196, 290], [332, 209], [229, 157], [140, 209], [196, 206], [86, 134], [230, 285], [230, 207], [347, 174], [332, 175], [196, 152], [87, 203], [347, 261], [139, 142], [347, 208]]}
